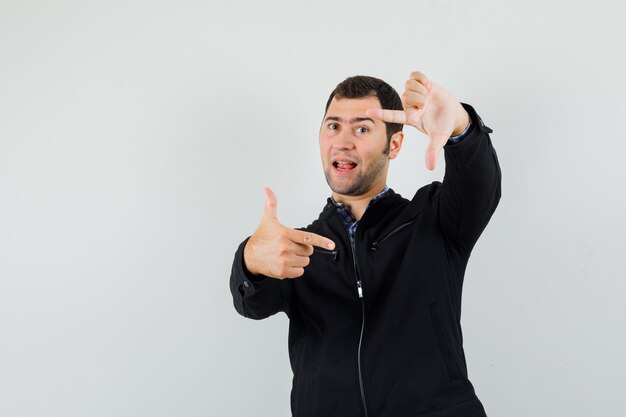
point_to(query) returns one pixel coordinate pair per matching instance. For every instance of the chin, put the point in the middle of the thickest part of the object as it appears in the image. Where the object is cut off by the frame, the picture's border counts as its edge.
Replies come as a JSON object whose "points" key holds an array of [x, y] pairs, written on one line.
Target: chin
{"points": [[352, 189], [356, 186]]}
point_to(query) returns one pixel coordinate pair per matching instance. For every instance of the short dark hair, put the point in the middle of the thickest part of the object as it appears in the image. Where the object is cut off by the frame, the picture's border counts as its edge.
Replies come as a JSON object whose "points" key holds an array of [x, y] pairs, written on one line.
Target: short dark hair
{"points": [[360, 86]]}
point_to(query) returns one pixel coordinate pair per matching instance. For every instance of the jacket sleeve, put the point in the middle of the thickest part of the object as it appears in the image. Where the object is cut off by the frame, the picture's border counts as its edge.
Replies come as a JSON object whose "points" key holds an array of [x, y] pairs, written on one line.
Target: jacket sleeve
{"points": [[470, 191], [257, 296]]}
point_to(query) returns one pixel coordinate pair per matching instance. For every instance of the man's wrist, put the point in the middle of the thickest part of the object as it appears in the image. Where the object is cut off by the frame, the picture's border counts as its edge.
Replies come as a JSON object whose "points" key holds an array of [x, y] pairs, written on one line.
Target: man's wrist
{"points": [[463, 121], [246, 254]]}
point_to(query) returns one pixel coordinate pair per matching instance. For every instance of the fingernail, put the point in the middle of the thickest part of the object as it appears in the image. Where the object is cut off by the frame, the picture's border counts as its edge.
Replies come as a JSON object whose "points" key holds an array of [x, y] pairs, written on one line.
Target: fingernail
{"points": [[331, 245]]}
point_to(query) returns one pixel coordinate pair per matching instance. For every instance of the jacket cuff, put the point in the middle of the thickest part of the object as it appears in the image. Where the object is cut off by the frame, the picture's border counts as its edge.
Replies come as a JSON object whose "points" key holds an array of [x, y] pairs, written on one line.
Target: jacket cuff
{"points": [[247, 282], [463, 134], [477, 127]]}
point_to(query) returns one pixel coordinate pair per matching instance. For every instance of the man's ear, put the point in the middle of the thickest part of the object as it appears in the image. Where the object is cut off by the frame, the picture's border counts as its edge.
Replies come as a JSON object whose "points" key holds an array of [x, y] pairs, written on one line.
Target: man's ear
{"points": [[395, 144]]}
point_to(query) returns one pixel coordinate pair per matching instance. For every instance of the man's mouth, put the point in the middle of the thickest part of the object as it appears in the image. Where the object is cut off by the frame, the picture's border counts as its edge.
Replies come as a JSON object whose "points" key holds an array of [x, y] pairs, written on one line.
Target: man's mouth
{"points": [[344, 165]]}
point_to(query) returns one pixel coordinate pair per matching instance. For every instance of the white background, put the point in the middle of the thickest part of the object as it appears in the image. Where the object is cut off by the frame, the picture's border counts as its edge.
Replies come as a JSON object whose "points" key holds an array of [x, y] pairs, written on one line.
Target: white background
{"points": [[136, 137]]}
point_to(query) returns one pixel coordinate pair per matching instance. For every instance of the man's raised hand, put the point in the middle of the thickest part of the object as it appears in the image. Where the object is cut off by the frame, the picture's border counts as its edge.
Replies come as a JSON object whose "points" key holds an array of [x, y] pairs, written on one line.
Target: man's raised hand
{"points": [[277, 251], [430, 108]]}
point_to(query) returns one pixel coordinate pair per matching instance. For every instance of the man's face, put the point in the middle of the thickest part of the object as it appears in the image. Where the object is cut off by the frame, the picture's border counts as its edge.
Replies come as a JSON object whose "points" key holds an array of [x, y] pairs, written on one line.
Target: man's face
{"points": [[352, 147]]}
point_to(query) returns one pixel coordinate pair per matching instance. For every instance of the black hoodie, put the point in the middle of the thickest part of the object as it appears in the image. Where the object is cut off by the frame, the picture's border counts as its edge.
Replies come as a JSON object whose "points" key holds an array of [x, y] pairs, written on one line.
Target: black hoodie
{"points": [[374, 327]]}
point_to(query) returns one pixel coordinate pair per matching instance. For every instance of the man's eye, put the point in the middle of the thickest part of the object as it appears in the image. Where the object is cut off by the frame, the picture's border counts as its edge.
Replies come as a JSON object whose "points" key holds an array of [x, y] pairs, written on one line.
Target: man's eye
{"points": [[332, 126], [362, 130]]}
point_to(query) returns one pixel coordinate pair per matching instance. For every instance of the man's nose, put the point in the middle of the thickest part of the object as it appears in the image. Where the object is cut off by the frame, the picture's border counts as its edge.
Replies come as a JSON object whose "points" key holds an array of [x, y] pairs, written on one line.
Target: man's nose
{"points": [[344, 140]]}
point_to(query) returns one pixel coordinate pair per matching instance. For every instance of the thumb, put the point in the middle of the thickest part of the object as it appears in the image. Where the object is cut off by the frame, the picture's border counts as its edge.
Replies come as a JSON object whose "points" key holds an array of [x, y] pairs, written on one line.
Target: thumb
{"points": [[270, 204], [431, 159], [437, 141]]}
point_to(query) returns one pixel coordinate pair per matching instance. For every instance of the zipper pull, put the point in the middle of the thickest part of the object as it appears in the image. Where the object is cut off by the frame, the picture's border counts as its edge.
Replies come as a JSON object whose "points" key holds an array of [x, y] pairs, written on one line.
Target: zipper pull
{"points": [[359, 288]]}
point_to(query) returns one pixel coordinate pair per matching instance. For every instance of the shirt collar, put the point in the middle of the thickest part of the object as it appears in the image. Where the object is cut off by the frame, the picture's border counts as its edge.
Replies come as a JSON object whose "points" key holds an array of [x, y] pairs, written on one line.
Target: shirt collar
{"points": [[345, 213]]}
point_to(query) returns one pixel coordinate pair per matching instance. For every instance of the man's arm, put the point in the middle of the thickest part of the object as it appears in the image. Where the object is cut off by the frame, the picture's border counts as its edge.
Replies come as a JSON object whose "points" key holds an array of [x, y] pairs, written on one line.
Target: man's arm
{"points": [[257, 296], [471, 187], [470, 191], [265, 263]]}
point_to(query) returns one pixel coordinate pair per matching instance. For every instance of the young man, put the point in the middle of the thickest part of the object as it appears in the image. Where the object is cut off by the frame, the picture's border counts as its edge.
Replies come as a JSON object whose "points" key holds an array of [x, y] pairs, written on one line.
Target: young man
{"points": [[372, 288]]}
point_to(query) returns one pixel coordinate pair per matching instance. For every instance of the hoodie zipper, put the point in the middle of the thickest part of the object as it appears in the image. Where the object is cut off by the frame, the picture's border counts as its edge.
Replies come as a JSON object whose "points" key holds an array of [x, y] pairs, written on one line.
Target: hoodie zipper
{"points": [[393, 232], [359, 286]]}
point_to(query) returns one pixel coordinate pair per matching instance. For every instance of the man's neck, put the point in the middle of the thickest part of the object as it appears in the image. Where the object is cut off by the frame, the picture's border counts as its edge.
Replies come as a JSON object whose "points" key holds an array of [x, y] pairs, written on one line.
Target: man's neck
{"points": [[358, 203]]}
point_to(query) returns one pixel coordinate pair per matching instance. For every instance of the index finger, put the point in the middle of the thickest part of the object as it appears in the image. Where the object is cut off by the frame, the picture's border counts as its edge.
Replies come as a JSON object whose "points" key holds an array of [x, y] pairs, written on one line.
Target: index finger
{"points": [[308, 238], [389, 116]]}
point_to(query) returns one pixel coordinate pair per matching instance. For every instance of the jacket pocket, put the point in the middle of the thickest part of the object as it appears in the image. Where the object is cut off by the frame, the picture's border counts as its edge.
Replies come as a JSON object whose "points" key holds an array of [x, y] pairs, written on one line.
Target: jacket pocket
{"points": [[396, 230], [331, 254], [445, 347]]}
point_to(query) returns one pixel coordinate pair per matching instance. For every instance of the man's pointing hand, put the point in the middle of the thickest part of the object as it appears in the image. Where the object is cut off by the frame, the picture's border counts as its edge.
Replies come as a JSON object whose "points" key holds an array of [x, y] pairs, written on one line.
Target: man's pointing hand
{"points": [[430, 108], [277, 251]]}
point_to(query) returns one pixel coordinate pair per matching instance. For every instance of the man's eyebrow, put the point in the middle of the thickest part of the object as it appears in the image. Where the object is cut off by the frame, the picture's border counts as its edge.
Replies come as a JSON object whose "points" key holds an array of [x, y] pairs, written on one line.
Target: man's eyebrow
{"points": [[353, 120]]}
